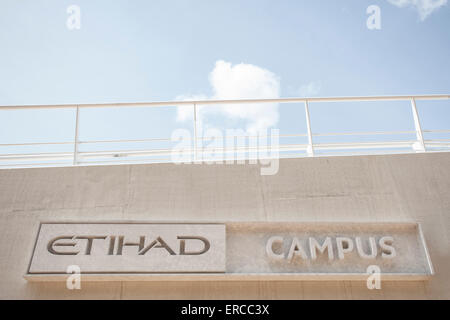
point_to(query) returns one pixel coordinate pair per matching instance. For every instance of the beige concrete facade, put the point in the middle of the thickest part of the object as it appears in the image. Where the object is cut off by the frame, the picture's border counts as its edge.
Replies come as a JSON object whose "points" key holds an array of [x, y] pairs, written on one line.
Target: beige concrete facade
{"points": [[400, 188]]}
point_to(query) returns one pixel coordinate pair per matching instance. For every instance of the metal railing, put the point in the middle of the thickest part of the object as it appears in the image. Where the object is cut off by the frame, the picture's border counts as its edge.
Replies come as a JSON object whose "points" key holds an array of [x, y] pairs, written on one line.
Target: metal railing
{"points": [[150, 155]]}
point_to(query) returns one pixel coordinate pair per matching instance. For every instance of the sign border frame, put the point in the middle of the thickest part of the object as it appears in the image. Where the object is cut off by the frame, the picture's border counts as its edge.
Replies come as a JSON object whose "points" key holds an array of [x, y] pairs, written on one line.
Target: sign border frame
{"points": [[224, 276]]}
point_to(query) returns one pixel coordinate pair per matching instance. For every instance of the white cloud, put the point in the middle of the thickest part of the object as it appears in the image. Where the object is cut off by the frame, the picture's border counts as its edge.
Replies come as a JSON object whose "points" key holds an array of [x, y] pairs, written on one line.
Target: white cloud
{"points": [[240, 81], [423, 7], [310, 89]]}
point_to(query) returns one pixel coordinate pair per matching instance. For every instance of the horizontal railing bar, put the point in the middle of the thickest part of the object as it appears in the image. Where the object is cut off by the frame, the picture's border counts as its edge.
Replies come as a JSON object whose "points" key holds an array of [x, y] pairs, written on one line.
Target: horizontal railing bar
{"points": [[233, 101], [361, 133], [134, 153], [191, 139], [218, 150], [122, 141], [436, 131], [33, 144], [33, 157], [366, 145], [131, 153], [323, 145], [36, 154], [31, 165], [258, 136], [438, 144], [379, 152], [225, 137], [143, 140], [124, 161]]}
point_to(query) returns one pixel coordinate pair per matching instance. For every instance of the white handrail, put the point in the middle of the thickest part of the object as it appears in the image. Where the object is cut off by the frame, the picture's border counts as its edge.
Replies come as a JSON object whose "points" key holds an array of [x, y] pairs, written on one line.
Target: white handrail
{"points": [[236, 101], [310, 148]]}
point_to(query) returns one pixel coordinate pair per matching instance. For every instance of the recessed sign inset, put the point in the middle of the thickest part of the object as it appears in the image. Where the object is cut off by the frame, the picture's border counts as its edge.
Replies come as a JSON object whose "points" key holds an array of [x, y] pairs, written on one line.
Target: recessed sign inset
{"points": [[129, 248], [320, 250]]}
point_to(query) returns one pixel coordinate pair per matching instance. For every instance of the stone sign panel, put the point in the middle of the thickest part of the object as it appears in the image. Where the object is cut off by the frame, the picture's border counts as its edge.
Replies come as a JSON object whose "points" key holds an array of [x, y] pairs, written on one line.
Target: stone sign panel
{"points": [[129, 248], [328, 250], [231, 251]]}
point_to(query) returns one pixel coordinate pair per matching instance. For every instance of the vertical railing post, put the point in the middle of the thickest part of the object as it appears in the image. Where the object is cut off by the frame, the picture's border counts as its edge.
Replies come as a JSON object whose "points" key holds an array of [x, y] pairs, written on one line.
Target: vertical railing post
{"points": [[419, 146], [310, 148], [195, 132], [75, 142]]}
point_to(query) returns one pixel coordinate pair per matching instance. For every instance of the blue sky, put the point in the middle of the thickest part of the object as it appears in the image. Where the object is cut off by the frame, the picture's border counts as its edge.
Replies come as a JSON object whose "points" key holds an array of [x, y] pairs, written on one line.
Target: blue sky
{"points": [[130, 51]]}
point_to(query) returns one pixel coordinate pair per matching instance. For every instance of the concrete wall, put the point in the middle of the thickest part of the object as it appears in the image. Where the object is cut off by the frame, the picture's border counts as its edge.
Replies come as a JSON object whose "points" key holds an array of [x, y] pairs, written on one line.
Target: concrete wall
{"points": [[413, 187]]}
